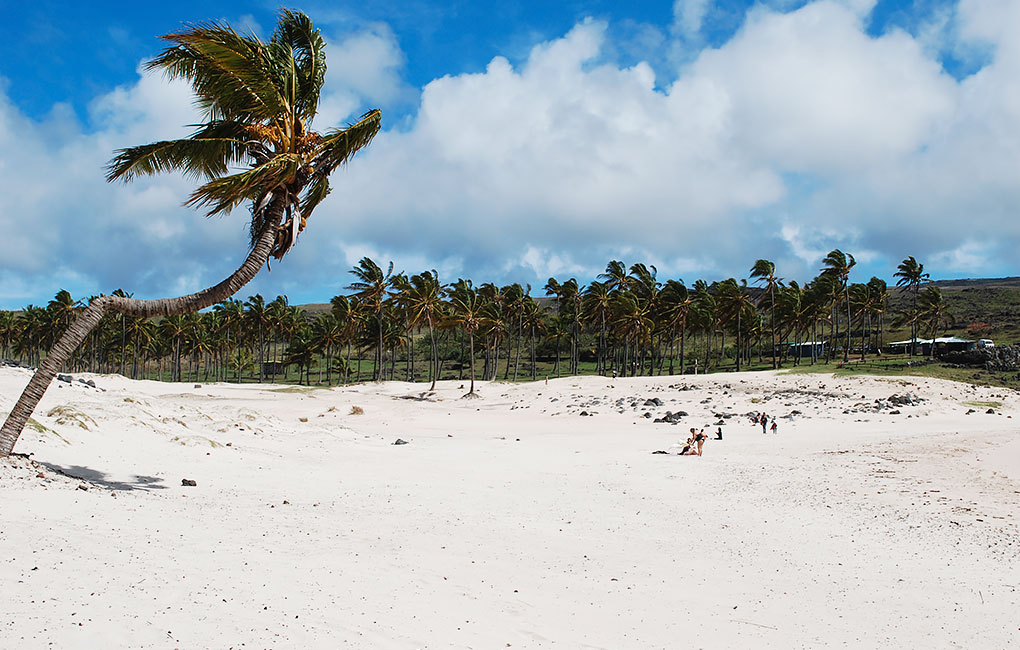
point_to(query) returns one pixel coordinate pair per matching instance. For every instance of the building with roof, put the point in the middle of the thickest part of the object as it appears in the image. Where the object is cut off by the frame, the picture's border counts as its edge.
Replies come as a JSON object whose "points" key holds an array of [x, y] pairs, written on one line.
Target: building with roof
{"points": [[942, 344]]}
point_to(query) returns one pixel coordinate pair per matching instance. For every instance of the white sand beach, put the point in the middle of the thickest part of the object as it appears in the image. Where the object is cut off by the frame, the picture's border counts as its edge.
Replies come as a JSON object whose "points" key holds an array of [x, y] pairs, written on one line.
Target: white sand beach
{"points": [[512, 520]]}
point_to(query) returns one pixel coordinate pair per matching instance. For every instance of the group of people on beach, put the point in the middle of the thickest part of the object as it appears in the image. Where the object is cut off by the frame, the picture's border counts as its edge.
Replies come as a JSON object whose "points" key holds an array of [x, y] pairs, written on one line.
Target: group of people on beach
{"points": [[694, 444], [763, 419]]}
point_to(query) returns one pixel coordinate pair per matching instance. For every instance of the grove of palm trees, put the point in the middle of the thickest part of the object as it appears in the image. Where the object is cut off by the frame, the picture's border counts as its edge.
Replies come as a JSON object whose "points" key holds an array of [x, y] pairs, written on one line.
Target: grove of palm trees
{"points": [[405, 327]]}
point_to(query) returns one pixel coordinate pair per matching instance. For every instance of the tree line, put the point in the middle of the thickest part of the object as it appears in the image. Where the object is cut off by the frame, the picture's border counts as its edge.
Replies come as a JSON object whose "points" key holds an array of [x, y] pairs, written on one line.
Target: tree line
{"points": [[399, 326]]}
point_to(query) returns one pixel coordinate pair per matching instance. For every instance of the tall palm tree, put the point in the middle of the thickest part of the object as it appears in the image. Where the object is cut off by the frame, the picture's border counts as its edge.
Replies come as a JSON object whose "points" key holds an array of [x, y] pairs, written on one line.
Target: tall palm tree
{"points": [[632, 319], [466, 313], [276, 313], [615, 275], [910, 273], [879, 306], [764, 273], [259, 98], [595, 310], [371, 289], [675, 305], [932, 311], [535, 322], [706, 315], [422, 297], [173, 331], [838, 265], [257, 315], [8, 331], [734, 305], [231, 319]]}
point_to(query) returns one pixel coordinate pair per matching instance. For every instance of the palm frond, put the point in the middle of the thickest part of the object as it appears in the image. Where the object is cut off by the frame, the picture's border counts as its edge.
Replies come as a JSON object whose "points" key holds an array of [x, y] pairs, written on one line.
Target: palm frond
{"points": [[206, 153], [297, 31], [232, 75], [339, 145], [318, 190], [225, 193]]}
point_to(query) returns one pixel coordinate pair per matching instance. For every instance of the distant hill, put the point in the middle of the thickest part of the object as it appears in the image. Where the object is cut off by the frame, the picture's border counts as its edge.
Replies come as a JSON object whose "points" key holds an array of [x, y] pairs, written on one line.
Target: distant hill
{"points": [[973, 301]]}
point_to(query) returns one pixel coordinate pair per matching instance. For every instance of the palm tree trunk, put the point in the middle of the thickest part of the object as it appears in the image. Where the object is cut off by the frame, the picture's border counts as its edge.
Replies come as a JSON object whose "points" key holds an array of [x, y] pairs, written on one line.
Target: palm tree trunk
{"points": [[772, 317], [471, 335], [846, 352], [683, 341], [434, 370], [738, 339], [534, 368], [262, 348], [557, 355], [520, 335], [378, 363], [90, 317]]}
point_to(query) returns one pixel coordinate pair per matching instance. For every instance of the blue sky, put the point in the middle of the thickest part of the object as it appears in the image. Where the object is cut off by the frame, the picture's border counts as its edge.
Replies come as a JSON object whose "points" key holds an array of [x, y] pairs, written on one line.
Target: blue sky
{"points": [[538, 139]]}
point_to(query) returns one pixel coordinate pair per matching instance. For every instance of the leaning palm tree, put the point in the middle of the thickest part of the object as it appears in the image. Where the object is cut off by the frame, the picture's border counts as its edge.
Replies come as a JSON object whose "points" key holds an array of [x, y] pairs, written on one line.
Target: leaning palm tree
{"points": [[259, 99]]}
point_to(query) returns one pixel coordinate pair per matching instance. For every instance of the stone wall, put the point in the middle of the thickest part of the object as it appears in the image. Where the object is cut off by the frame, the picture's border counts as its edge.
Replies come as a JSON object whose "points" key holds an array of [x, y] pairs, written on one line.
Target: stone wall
{"points": [[1000, 357]]}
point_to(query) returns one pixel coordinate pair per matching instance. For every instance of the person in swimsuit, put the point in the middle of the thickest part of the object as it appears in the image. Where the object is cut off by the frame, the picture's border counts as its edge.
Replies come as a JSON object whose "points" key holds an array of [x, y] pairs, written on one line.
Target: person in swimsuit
{"points": [[700, 439]]}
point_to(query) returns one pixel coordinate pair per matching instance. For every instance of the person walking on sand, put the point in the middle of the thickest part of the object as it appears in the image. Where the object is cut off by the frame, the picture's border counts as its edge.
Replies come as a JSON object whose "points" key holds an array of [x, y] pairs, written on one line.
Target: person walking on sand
{"points": [[775, 427], [764, 423]]}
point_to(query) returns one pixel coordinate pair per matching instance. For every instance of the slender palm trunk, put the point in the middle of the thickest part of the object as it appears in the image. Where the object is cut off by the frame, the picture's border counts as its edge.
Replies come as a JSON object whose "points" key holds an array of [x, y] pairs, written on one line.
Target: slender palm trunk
{"points": [[471, 344], [846, 296], [262, 348], [557, 355], [434, 370], [683, 341], [738, 340], [534, 368], [775, 363], [90, 317], [379, 356], [520, 335]]}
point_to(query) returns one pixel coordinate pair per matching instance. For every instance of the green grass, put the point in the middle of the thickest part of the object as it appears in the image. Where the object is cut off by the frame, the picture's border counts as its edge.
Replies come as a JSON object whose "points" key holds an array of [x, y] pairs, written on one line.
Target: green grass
{"points": [[990, 405], [896, 367], [300, 390]]}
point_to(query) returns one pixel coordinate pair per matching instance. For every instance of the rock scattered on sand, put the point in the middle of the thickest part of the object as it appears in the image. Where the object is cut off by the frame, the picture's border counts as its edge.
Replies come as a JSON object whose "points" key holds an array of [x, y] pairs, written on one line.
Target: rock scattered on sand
{"points": [[399, 441], [671, 418], [187, 482]]}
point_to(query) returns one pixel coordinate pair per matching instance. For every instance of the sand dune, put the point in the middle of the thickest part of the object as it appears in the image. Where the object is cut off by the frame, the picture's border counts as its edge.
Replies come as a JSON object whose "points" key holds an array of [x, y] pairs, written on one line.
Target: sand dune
{"points": [[882, 515]]}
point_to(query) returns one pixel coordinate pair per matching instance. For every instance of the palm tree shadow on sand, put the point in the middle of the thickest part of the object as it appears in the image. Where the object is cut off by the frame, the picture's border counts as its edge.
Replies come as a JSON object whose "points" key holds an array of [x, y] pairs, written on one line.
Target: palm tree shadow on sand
{"points": [[146, 483]]}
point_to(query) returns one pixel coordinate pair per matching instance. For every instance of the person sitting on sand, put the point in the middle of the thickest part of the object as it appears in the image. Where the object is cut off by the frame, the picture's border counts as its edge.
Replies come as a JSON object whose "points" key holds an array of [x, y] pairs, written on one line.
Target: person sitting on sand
{"points": [[689, 445], [718, 434]]}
